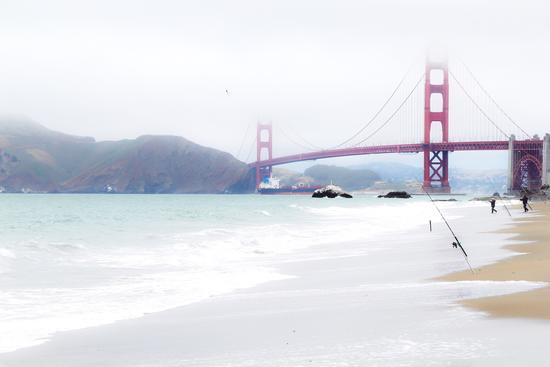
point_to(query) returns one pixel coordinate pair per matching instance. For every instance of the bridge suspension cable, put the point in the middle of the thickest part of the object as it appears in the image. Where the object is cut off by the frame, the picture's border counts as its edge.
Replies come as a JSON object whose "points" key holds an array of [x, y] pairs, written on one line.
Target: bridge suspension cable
{"points": [[308, 146], [375, 116], [250, 150], [492, 99], [477, 105], [390, 118], [401, 116], [243, 141]]}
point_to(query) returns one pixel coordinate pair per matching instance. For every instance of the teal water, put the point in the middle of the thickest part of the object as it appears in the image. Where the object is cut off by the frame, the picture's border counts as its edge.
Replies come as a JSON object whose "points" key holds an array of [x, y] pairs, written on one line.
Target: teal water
{"points": [[73, 261]]}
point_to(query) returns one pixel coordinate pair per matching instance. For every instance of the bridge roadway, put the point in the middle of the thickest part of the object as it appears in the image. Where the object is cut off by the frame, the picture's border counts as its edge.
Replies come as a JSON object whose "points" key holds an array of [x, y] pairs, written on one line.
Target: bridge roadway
{"points": [[401, 148]]}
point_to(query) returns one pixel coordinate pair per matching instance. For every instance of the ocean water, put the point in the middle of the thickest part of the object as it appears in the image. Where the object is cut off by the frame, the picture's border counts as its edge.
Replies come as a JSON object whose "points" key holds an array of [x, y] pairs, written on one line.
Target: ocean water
{"points": [[75, 261]]}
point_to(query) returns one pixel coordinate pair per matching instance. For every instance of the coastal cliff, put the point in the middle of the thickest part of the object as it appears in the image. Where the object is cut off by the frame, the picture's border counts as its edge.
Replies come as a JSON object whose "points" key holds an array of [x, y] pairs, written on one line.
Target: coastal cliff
{"points": [[36, 159]]}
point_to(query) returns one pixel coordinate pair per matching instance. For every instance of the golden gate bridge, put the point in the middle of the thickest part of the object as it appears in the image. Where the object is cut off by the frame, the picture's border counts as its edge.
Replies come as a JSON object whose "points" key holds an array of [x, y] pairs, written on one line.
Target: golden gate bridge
{"points": [[416, 120]]}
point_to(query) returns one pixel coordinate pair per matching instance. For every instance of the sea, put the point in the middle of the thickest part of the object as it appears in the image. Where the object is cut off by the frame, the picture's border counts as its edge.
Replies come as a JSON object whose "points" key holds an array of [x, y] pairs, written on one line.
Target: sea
{"points": [[75, 261]]}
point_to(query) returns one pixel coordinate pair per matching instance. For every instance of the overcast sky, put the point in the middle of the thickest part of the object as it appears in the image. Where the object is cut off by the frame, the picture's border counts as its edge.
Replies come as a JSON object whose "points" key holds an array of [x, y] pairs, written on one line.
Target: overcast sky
{"points": [[122, 68]]}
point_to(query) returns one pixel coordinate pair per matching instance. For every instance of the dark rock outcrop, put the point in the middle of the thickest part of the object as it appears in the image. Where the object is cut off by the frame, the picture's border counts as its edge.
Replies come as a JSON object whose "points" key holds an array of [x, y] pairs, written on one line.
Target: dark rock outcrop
{"points": [[331, 192], [396, 194]]}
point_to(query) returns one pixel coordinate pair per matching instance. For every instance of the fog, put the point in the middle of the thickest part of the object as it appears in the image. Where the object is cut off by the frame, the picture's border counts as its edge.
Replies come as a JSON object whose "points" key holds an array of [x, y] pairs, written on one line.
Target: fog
{"points": [[209, 70]]}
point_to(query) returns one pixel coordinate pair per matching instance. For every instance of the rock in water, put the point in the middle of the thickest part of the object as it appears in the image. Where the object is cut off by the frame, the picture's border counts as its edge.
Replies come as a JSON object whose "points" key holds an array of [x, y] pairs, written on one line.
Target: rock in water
{"points": [[318, 194], [396, 194], [330, 191]]}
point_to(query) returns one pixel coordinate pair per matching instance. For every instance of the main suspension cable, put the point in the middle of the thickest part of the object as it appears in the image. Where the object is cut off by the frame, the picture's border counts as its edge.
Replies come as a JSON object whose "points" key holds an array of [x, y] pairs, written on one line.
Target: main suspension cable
{"points": [[310, 148], [478, 106], [243, 141], [250, 150], [375, 116], [393, 114], [492, 99]]}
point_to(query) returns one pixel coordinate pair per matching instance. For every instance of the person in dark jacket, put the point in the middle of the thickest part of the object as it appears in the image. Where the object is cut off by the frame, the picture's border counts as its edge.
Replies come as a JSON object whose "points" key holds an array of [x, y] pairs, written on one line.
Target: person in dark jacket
{"points": [[493, 203], [525, 201]]}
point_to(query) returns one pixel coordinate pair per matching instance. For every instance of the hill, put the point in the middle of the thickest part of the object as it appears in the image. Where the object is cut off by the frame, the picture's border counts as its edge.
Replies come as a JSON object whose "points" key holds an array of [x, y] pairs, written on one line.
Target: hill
{"points": [[393, 171], [397, 175], [386, 176], [348, 179], [34, 158]]}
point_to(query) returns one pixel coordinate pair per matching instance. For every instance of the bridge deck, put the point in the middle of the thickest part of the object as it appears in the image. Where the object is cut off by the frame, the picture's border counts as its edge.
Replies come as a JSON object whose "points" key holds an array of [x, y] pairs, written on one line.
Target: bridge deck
{"points": [[401, 148]]}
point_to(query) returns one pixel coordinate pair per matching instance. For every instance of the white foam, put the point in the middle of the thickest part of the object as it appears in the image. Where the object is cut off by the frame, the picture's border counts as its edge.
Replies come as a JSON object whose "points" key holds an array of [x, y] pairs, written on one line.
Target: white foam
{"points": [[4, 252], [51, 310], [176, 266]]}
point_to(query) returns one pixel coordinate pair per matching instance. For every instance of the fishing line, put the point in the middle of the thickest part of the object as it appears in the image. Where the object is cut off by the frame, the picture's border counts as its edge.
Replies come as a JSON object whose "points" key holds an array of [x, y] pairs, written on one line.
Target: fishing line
{"points": [[505, 207], [456, 244], [504, 204]]}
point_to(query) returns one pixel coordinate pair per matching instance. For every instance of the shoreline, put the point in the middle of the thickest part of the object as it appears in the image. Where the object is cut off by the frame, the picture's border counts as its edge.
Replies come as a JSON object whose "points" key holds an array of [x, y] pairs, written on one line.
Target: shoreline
{"points": [[362, 303], [531, 243]]}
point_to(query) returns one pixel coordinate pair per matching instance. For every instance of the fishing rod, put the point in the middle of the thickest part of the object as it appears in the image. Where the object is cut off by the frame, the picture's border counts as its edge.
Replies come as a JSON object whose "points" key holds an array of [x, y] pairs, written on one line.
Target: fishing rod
{"points": [[456, 244], [505, 207], [525, 192]]}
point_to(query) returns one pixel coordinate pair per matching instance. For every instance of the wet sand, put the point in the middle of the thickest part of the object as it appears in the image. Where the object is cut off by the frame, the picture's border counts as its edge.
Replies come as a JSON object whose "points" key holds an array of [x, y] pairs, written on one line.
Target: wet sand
{"points": [[532, 264], [359, 303]]}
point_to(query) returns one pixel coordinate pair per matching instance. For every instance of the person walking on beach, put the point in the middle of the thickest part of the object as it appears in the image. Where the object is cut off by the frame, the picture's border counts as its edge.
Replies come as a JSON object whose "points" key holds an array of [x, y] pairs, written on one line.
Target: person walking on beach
{"points": [[525, 201], [493, 203]]}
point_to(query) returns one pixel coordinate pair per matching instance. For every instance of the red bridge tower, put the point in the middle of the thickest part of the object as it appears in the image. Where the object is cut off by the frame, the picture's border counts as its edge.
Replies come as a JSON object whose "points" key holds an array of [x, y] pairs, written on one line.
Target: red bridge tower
{"points": [[264, 142], [436, 110]]}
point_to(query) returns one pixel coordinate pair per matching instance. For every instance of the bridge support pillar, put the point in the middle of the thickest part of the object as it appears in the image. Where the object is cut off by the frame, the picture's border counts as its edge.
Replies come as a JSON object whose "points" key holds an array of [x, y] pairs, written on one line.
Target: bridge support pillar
{"points": [[528, 165], [510, 177], [546, 160], [436, 110], [436, 170], [264, 143]]}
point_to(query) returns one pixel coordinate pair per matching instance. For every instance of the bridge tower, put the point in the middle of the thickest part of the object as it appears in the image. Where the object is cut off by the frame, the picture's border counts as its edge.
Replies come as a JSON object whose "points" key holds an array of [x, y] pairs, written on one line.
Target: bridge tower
{"points": [[510, 175], [436, 111], [526, 167], [546, 160], [264, 142]]}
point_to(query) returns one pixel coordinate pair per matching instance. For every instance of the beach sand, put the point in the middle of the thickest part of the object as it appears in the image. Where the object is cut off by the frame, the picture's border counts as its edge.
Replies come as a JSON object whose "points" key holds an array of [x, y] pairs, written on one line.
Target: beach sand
{"points": [[532, 264], [362, 303]]}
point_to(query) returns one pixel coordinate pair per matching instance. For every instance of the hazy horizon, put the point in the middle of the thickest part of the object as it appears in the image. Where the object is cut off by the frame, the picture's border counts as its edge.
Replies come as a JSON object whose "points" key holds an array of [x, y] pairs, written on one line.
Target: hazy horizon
{"points": [[115, 70]]}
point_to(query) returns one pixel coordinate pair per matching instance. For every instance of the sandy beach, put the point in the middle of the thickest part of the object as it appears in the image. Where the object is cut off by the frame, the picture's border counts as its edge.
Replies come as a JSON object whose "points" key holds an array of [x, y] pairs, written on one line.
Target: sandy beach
{"points": [[532, 264], [358, 303]]}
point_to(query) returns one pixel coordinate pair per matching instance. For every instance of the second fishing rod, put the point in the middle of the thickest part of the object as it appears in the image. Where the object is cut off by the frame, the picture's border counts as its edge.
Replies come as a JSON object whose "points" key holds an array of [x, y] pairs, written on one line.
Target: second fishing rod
{"points": [[457, 243]]}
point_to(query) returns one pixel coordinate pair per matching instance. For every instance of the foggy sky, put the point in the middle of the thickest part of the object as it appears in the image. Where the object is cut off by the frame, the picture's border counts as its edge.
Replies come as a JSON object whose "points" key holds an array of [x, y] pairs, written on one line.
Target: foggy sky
{"points": [[120, 69]]}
